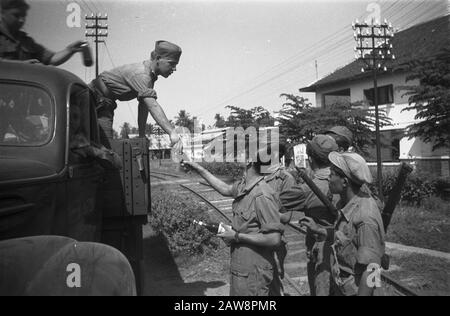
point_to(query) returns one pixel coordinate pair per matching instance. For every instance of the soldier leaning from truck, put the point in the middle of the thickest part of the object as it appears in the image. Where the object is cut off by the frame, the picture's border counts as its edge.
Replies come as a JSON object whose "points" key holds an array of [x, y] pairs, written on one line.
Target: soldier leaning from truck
{"points": [[17, 45], [280, 180], [300, 198], [256, 230], [358, 236], [133, 81]]}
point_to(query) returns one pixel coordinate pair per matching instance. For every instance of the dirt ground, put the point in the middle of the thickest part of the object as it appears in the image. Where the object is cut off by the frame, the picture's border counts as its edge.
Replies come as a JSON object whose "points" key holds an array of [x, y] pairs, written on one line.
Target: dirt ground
{"points": [[183, 276]]}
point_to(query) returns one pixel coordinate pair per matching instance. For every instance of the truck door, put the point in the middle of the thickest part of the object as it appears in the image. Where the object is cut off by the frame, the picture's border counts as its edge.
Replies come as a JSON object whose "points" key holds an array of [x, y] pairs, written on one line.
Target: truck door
{"points": [[84, 216]]}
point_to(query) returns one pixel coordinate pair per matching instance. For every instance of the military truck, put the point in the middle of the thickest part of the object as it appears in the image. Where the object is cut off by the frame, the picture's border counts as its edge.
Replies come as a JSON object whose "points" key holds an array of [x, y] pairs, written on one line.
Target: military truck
{"points": [[65, 207]]}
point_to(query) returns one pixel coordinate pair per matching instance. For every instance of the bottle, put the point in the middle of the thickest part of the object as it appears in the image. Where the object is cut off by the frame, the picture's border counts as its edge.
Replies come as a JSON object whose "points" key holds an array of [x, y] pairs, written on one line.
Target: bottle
{"points": [[87, 55], [213, 228]]}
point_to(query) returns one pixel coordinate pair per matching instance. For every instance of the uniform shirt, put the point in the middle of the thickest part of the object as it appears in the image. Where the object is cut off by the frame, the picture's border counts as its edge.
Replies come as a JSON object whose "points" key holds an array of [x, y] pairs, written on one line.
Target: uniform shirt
{"points": [[280, 181], [359, 234], [255, 208], [301, 198], [22, 47], [132, 81]]}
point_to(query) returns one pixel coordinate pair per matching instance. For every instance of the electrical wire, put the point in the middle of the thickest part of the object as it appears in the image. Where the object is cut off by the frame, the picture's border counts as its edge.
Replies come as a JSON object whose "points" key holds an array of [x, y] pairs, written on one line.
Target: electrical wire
{"points": [[393, 14]]}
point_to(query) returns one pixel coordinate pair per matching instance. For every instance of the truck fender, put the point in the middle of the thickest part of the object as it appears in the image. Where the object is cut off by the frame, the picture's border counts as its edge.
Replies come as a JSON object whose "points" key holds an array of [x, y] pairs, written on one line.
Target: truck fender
{"points": [[60, 266]]}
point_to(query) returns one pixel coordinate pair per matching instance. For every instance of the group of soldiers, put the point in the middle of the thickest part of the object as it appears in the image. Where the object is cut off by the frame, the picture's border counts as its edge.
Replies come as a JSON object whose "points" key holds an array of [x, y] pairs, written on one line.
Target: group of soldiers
{"points": [[340, 246]]}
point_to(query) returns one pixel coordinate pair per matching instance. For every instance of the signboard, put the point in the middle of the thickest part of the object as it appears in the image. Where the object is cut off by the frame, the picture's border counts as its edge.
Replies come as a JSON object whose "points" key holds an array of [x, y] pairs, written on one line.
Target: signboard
{"points": [[300, 156]]}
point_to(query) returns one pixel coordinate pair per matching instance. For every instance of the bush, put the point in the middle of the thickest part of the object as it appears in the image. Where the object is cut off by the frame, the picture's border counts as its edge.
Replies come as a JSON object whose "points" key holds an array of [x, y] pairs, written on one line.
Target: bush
{"points": [[416, 190], [230, 169], [173, 216], [442, 187]]}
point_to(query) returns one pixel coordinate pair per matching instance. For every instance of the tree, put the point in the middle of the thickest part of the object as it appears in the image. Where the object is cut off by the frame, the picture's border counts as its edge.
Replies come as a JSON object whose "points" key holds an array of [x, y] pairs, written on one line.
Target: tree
{"points": [[125, 131], [431, 99], [299, 121], [115, 134], [256, 117], [134, 130], [184, 120], [148, 128], [220, 121]]}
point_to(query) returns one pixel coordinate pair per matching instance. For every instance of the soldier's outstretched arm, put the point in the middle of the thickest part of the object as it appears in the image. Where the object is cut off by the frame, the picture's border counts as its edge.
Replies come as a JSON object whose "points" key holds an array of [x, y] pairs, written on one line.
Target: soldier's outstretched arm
{"points": [[62, 56], [161, 119], [218, 185]]}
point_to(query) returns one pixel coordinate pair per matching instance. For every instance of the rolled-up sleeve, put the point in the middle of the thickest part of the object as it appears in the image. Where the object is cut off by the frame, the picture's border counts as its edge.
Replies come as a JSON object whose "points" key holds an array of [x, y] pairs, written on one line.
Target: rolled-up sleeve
{"points": [[235, 189], [267, 212], [369, 244], [38, 51], [139, 83], [293, 199]]}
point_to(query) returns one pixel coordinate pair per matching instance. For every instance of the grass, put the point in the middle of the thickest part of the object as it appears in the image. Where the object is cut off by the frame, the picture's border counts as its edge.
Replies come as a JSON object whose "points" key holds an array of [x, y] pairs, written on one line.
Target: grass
{"points": [[424, 274], [426, 226]]}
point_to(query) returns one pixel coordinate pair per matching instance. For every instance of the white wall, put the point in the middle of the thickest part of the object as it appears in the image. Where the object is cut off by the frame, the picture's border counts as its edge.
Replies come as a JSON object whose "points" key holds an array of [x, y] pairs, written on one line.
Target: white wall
{"points": [[409, 149]]}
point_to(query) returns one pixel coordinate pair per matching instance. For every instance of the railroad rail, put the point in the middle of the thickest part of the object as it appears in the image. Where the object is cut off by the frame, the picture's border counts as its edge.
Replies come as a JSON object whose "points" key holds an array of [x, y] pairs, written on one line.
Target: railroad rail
{"points": [[292, 235]]}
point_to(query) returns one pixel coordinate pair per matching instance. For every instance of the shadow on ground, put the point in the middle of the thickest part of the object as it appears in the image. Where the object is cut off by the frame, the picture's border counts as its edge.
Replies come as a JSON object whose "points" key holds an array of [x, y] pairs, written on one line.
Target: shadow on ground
{"points": [[162, 277]]}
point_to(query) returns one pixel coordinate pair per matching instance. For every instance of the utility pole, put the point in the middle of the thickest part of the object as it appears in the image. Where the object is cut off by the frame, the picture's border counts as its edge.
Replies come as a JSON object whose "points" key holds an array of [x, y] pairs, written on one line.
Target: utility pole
{"points": [[97, 32], [374, 49], [158, 131]]}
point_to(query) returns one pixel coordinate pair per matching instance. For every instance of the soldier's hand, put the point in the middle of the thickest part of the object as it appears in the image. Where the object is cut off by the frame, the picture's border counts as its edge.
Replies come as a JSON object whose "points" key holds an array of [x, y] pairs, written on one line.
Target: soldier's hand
{"points": [[32, 61], [312, 226], [76, 47], [229, 234], [175, 140], [187, 164]]}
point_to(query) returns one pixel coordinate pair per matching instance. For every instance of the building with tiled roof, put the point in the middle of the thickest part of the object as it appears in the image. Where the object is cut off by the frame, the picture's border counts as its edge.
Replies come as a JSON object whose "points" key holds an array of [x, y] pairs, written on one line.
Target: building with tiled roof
{"points": [[350, 84]]}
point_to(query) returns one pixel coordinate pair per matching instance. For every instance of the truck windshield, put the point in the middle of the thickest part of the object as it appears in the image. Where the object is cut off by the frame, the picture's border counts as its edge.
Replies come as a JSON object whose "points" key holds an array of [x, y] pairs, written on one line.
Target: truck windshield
{"points": [[26, 115]]}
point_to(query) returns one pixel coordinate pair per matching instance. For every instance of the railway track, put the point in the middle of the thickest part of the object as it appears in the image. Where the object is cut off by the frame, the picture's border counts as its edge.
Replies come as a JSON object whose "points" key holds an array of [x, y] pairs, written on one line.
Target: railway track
{"points": [[295, 281]]}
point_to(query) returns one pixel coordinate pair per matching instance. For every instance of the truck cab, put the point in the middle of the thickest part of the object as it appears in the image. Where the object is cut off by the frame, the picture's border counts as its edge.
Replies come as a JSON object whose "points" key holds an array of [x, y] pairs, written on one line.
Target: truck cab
{"points": [[50, 184]]}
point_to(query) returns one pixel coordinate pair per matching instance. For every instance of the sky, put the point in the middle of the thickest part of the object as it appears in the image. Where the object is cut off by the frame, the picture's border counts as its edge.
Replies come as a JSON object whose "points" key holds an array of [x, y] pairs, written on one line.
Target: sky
{"points": [[235, 52]]}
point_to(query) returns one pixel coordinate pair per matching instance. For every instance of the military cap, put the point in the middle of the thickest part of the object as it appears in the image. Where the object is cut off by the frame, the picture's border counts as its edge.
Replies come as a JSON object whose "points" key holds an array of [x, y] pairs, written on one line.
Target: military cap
{"points": [[168, 50], [14, 4], [353, 166], [322, 146], [342, 131]]}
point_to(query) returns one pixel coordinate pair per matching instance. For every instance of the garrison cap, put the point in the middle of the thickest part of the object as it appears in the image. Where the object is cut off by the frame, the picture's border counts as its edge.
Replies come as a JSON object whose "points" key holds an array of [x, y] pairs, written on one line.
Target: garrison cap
{"points": [[342, 131], [353, 166], [322, 146], [14, 4], [168, 50]]}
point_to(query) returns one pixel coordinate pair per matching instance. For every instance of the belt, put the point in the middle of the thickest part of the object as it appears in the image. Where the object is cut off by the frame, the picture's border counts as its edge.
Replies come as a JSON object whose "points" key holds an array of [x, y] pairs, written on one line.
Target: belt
{"points": [[101, 87]]}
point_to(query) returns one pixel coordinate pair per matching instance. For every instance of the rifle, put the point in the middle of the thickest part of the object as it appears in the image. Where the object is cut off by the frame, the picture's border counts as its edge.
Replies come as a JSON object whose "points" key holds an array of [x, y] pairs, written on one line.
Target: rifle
{"points": [[317, 191], [395, 195], [389, 208]]}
